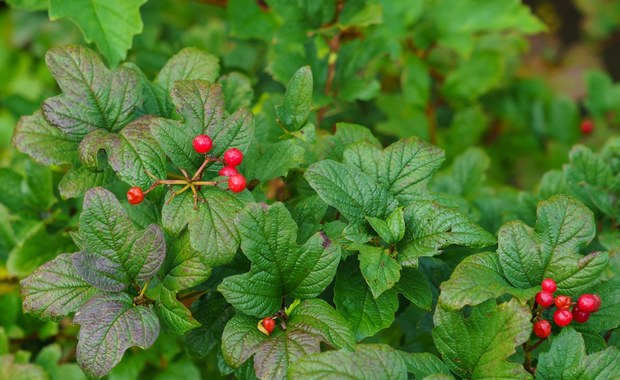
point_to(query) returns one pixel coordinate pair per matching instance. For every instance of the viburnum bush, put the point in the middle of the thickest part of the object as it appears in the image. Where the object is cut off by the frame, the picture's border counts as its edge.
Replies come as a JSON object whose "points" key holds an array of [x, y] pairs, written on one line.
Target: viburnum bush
{"points": [[209, 216]]}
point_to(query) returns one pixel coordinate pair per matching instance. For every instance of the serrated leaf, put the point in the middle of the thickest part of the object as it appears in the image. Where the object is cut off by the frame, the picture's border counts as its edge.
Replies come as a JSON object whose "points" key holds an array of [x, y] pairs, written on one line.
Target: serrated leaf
{"points": [[237, 90], [201, 105], [356, 303], [424, 364], [392, 229], [311, 322], [213, 312], [308, 213], [115, 253], [297, 103], [549, 250], [367, 362], [46, 144], [477, 347], [431, 227], [566, 359], [347, 134], [109, 325], [364, 156], [79, 179], [188, 64], [280, 266], [92, 96], [415, 287], [355, 194], [275, 160], [380, 270], [476, 279], [407, 165], [55, 289], [173, 314], [183, 268], [100, 21]]}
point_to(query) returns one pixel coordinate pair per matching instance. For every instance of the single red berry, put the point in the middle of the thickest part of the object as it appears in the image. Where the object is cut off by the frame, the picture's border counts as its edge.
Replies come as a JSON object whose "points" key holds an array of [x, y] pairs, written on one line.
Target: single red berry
{"points": [[598, 302], [202, 144], [587, 303], [544, 299], [563, 302], [236, 183], [227, 171], [587, 126], [269, 324], [135, 195], [233, 157], [579, 315], [548, 285], [562, 317], [542, 328]]}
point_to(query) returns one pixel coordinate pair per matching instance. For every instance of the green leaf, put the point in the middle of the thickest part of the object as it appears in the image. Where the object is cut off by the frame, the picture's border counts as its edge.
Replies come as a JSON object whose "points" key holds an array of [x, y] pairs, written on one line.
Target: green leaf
{"points": [[466, 174], [380, 270], [110, 24], [182, 268], [549, 250], [308, 213], [79, 179], [477, 347], [367, 362], [416, 81], [274, 160], [311, 322], [346, 134], [279, 265], [431, 227], [567, 359], [115, 253], [297, 103], [355, 301], [355, 194], [12, 369], [364, 156], [188, 64], [476, 279], [416, 288], [173, 315], [55, 289], [237, 90], [407, 165], [201, 105], [213, 312], [109, 325], [249, 21], [28, 5], [424, 364], [46, 144], [93, 97], [392, 229], [608, 316], [475, 77]]}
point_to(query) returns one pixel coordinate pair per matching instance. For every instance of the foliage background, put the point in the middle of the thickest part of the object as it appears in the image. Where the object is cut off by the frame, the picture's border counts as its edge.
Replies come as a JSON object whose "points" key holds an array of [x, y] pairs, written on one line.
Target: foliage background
{"points": [[524, 116]]}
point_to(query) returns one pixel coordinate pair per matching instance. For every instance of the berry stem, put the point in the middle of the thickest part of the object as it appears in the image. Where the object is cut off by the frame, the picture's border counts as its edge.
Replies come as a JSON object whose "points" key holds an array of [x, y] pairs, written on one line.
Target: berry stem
{"points": [[144, 288], [201, 168]]}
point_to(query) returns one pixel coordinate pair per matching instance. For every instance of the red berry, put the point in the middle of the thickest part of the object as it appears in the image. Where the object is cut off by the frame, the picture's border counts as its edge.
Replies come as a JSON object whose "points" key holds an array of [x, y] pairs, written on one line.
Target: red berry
{"points": [[542, 328], [548, 285], [598, 302], [544, 299], [562, 317], [269, 324], [135, 195], [587, 303], [202, 144], [579, 315], [227, 171], [233, 157], [236, 183], [563, 302], [587, 126]]}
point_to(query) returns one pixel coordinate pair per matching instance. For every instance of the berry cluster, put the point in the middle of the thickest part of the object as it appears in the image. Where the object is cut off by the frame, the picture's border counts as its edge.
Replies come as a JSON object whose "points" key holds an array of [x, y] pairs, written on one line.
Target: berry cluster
{"points": [[202, 145], [563, 316]]}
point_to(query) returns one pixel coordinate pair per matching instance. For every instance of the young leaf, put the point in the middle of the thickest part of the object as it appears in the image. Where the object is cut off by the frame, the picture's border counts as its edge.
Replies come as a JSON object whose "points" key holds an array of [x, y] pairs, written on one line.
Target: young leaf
{"points": [[280, 266], [346, 134], [367, 362], [297, 103], [549, 250], [109, 325], [415, 287], [380, 270], [99, 22], [188, 64], [478, 346], [567, 359], [392, 229], [355, 301], [92, 96], [55, 289], [311, 322], [476, 279], [173, 314], [431, 227]]}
